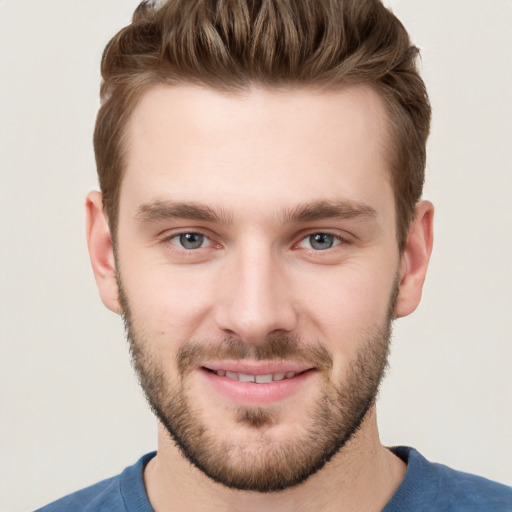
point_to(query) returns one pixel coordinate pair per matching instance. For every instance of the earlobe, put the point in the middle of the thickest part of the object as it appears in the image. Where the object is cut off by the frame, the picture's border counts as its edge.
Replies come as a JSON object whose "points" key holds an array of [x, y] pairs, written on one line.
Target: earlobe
{"points": [[101, 251], [414, 260]]}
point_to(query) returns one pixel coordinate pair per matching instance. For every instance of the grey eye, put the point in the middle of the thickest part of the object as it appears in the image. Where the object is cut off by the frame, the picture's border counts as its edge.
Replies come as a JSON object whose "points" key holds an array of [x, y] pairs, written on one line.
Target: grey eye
{"points": [[321, 241], [191, 240]]}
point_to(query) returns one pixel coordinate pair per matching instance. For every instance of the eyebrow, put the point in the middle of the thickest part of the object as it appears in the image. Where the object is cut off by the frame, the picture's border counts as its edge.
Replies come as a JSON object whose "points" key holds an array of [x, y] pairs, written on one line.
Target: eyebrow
{"points": [[167, 210], [306, 212], [318, 210]]}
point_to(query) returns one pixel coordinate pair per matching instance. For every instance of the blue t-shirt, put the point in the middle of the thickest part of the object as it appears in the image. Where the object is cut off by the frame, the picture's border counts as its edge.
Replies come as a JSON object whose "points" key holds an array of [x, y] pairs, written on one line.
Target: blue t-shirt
{"points": [[427, 487]]}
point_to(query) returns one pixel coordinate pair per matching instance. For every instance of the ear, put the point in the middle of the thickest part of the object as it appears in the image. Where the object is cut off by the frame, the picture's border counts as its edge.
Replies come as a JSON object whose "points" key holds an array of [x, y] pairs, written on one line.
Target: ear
{"points": [[101, 251], [414, 259]]}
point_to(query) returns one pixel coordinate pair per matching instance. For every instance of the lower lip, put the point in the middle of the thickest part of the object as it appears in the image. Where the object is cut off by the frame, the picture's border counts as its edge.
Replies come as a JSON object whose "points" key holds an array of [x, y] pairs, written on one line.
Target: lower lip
{"points": [[253, 393]]}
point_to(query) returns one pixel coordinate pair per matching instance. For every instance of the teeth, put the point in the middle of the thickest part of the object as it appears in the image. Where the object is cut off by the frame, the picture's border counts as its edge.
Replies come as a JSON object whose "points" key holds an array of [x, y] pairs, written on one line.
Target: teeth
{"points": [[260, 379], [263, 378]]}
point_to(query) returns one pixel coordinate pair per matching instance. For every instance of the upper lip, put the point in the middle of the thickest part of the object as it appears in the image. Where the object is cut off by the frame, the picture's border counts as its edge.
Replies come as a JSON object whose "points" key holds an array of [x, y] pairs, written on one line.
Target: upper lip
{"points": [[257, 367]]}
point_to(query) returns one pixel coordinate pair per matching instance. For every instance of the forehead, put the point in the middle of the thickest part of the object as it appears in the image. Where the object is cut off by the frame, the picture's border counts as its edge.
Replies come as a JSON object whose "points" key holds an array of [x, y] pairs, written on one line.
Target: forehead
{"points": [[263, 147]]}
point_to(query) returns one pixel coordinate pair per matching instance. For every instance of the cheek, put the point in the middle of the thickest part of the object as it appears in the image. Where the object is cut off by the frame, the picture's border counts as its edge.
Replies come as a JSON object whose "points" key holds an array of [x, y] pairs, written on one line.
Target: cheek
{"points": [[346, 307], [166, 302]]}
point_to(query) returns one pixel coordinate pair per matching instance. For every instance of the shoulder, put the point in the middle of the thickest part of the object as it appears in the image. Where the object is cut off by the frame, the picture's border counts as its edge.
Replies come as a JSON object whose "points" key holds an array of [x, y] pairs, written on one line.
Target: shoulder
{"points": [[476, 493], [124, 492], [431, 486], [98, 497]]}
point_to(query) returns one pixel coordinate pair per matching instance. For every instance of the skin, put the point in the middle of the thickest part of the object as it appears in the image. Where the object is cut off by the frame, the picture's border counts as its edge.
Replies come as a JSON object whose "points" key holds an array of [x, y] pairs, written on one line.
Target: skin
{"points": [[253, 158]]}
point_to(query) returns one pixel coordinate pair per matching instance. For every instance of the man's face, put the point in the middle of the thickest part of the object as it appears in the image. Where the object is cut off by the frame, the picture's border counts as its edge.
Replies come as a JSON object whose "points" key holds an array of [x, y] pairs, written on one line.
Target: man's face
{"points": [[257, 263]]}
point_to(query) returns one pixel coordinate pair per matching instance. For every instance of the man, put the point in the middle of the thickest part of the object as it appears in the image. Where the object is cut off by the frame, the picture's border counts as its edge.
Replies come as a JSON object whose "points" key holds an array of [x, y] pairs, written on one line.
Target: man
{"points": [[259, 227]]}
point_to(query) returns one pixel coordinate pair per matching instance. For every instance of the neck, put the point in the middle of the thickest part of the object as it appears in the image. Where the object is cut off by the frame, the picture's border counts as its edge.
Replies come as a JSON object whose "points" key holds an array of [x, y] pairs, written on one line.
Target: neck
{"points": [[363, 476]]}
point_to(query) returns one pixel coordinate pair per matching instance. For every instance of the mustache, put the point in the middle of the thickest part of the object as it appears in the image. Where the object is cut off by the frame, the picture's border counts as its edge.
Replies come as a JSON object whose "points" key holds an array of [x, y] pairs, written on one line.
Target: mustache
{"points": [[276, 347]]}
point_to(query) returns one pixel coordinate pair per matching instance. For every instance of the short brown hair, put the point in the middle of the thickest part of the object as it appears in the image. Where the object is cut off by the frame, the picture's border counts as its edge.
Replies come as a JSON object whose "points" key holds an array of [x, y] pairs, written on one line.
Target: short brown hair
{"points": [[233, 44]]}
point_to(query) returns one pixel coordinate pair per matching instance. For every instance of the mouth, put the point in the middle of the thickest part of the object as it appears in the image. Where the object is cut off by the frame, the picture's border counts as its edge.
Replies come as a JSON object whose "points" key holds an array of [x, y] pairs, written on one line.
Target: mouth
{"points": [[255, 384], [258, 378]]}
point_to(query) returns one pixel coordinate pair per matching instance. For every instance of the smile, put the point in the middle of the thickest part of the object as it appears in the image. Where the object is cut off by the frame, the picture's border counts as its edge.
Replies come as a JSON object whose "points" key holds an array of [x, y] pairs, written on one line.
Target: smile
{"points": [[259, 379], [255, 384]]}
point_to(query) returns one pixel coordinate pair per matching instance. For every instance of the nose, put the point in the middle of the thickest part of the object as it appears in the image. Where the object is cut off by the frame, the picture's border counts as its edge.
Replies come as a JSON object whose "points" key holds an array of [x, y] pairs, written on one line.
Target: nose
{"points": [[256, 298]]}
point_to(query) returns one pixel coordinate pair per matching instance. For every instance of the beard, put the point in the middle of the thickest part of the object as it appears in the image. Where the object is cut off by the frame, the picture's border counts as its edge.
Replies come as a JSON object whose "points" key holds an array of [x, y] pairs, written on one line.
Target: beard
{"points": [[262, 462]]}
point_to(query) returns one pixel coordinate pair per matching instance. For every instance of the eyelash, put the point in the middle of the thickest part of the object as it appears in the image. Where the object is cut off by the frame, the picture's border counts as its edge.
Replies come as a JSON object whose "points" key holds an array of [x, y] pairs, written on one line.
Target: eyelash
{"points": [[168, 240], [337, 238]]}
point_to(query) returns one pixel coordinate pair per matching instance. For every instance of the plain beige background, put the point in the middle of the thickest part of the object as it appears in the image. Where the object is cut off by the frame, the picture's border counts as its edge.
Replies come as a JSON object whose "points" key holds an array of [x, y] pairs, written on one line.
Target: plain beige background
{"points": [[72, 412]]}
